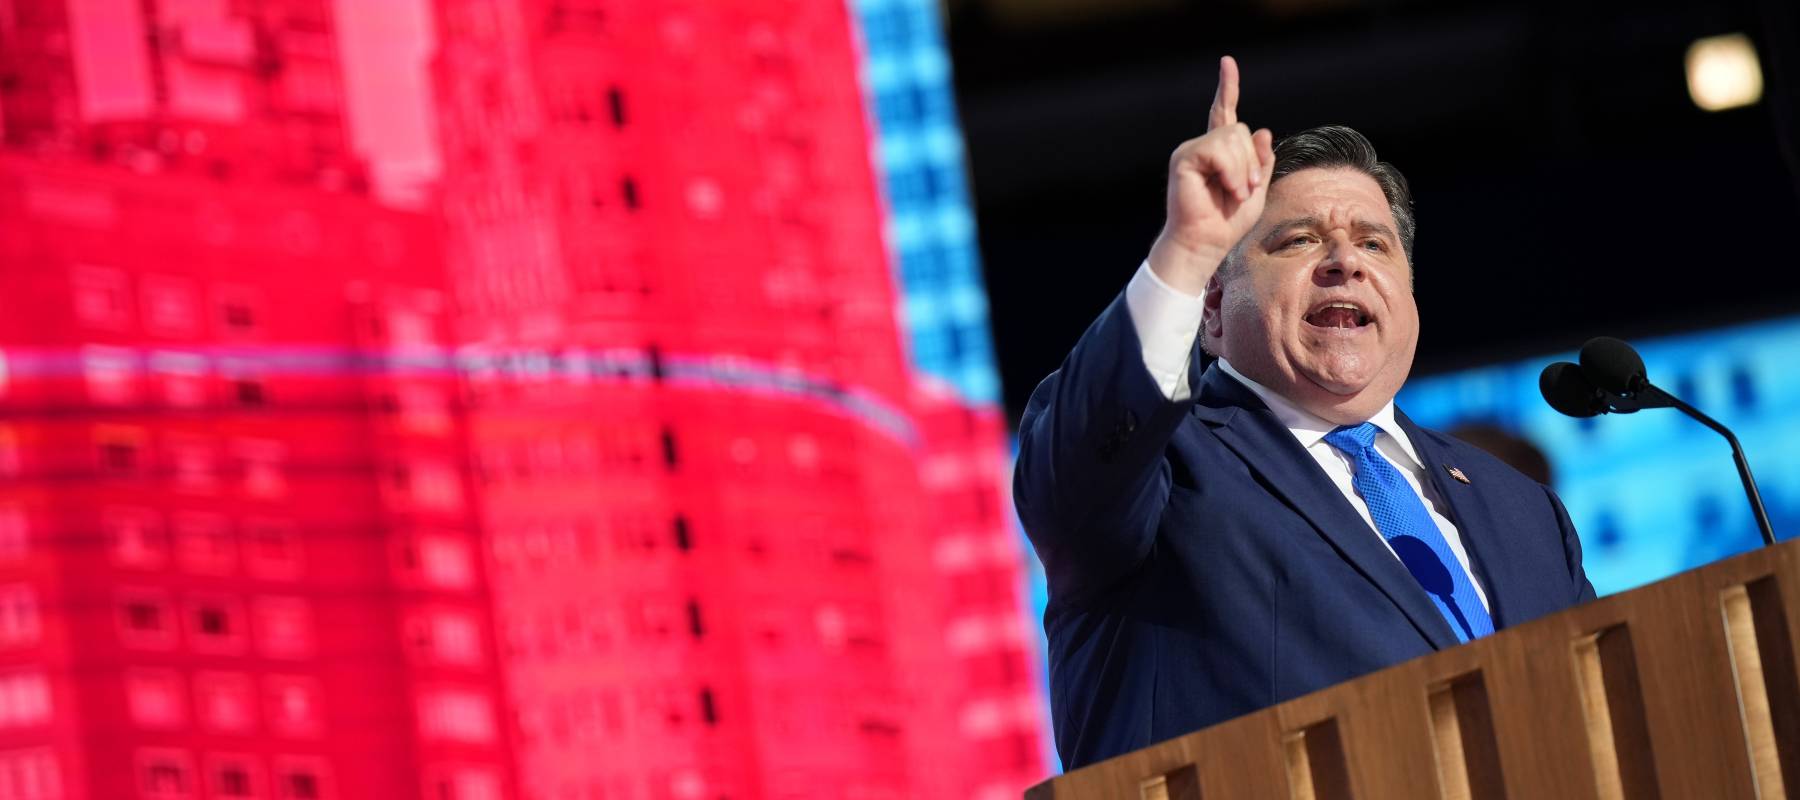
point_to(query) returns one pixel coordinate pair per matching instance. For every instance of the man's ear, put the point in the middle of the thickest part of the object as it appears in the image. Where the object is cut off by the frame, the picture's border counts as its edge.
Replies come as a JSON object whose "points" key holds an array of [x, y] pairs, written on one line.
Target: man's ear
{"points": [[1212, 323]]}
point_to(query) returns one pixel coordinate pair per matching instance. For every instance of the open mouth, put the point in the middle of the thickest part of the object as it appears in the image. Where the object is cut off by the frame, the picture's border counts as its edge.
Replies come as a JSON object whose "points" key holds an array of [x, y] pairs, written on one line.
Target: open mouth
{"points": [[1338, 314]]}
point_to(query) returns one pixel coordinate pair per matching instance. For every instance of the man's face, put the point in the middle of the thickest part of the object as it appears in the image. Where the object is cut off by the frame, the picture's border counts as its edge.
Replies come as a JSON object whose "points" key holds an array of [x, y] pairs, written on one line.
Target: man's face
{"points": [[1320, 308]]}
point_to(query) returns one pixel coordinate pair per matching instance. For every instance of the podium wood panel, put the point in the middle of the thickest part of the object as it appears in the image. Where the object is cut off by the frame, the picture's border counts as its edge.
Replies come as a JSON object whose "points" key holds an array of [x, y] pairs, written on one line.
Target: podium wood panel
{"points": [[1685, 688]]}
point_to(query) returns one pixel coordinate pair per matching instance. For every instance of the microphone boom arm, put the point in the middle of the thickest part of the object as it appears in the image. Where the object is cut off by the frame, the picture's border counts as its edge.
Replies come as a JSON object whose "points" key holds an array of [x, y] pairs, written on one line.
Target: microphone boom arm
{"points": [[1651, 396], [1611, 379]]}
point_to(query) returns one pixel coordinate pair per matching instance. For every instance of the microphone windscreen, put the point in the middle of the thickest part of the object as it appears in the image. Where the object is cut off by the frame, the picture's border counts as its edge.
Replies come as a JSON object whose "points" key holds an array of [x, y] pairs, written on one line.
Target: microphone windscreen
{"points": [[1613, 365], [1569, 391]]}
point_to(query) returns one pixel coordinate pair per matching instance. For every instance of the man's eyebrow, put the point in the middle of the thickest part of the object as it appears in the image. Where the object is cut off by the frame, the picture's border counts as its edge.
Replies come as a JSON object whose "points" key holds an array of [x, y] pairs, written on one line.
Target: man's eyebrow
{"points": [[1293, 222], [1359, 226], [1371, 226]]}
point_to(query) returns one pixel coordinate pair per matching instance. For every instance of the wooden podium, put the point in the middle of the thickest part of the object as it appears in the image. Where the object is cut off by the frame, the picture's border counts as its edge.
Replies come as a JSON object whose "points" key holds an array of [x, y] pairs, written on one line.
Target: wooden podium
{"points": [[1685, 688]]}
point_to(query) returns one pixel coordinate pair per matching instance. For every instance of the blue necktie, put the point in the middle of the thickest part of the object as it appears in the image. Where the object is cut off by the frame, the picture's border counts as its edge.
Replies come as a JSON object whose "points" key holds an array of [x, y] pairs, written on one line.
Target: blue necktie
{"points": [[1401, 518]]}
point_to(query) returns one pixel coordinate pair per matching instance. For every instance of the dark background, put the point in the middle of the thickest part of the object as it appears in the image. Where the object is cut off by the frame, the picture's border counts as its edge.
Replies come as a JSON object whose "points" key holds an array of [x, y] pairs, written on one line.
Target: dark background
{"points": [[1565, 184]]}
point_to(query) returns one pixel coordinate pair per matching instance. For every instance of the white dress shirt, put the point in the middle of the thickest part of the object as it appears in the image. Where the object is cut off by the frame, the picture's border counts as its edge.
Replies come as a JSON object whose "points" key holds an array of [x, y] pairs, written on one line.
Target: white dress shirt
{"points": [[1167, 321]]}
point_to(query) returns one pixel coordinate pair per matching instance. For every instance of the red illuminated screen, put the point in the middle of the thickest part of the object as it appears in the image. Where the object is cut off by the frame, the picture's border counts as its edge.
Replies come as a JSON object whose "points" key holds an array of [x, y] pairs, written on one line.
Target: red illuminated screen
{"points": [[478, 399]]}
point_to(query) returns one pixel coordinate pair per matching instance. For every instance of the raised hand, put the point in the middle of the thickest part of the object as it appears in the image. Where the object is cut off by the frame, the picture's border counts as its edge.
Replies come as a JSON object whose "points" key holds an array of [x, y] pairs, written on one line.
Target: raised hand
{"points": [[1217, 185]]}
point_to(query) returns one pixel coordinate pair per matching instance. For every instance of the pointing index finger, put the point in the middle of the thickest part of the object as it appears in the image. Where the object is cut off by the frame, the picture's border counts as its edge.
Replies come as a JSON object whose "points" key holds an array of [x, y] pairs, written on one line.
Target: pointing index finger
{"points": [[1225, 99]]}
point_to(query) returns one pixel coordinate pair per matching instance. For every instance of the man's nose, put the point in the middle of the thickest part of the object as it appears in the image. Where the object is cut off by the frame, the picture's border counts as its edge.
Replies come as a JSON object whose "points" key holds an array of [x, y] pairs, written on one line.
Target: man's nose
{"points": [[1342, 262]]}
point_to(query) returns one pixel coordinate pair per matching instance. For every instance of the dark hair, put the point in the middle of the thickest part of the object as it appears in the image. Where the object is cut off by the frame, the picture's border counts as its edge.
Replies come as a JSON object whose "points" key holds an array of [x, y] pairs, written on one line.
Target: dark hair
{"points": [[1340, 146]]}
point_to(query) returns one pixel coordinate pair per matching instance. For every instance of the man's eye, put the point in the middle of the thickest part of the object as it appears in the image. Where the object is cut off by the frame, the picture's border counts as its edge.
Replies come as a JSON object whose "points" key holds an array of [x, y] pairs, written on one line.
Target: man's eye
{"points": [[1296, 241], [1375, 244]]}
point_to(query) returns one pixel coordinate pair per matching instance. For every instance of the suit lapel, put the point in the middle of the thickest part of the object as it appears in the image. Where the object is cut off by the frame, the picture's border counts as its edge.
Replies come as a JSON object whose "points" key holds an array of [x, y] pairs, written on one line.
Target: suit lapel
{"points": [[1474, 520], [1245, 425]]}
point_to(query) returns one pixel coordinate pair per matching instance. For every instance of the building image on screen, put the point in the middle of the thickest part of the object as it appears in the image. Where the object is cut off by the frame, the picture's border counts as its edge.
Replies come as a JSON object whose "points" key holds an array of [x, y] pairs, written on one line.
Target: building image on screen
{"points": [[489, 399]]}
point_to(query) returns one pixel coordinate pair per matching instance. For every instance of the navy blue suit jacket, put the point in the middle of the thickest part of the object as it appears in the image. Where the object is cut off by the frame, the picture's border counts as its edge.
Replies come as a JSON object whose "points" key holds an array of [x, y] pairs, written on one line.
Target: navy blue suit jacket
{"points": [[1202, 566]]}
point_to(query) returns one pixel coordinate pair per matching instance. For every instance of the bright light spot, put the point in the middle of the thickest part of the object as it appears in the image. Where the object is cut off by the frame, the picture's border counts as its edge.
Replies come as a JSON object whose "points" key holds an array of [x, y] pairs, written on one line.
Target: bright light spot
{"points": [[804, 451], [1722, 72], [705, 198], [687, 785], [831, 625]]}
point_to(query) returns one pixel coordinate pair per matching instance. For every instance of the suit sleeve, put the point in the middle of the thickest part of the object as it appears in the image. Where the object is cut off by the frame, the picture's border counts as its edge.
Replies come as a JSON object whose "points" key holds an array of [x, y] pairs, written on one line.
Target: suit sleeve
{"points": [[1091, 480], [1581, 590]]}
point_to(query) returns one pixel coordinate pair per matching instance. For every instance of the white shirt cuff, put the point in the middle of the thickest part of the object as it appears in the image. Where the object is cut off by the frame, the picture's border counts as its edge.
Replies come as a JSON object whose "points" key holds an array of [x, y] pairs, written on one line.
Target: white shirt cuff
{"points": [[1167, 320]]}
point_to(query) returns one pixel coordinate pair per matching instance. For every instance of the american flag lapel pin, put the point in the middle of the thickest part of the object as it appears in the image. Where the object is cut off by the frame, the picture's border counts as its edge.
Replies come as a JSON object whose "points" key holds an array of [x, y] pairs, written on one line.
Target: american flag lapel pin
{"points": [[1457, 473]]}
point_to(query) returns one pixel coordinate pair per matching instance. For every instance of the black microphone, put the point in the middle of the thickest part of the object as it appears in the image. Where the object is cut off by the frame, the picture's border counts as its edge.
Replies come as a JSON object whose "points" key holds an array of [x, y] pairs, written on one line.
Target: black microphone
{"points": [[1569, 391], [1616, 373], [1616, 367]]}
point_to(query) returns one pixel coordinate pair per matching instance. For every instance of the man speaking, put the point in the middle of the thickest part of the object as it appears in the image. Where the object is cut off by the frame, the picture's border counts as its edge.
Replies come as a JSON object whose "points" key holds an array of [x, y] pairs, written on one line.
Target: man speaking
{"points": [[1220, 541]]}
